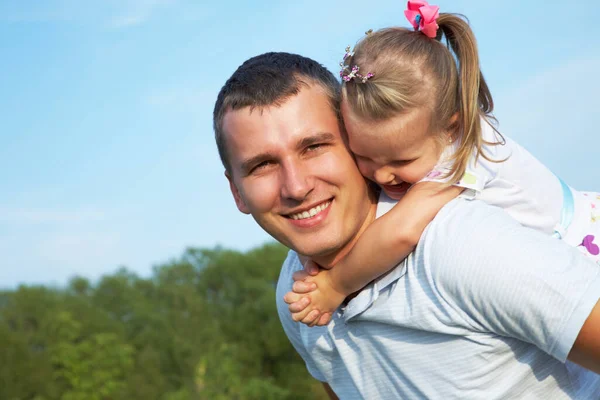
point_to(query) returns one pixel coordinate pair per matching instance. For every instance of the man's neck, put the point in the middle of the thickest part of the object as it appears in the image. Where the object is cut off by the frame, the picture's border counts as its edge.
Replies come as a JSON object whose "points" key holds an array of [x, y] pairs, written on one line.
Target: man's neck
{"points": [[329, 260]]}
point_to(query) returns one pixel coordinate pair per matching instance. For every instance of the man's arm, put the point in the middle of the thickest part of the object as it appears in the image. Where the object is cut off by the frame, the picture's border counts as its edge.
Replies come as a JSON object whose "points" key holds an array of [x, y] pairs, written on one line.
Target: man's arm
{"points": [[328, 390], [586, 350]]}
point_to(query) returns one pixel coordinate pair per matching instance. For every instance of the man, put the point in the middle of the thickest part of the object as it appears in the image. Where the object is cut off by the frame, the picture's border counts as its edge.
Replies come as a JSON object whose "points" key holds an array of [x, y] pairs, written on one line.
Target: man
{"points": [[482, 309]]}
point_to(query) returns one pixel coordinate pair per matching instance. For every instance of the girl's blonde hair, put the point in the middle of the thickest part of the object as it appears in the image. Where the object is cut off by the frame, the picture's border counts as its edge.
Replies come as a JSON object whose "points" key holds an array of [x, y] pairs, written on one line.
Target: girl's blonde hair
{"points": [[412, 70]]}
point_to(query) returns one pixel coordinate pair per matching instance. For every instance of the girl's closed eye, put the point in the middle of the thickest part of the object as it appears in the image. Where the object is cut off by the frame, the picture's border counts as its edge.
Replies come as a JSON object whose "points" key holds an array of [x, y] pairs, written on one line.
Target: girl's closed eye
{"points": [[402, 162]]}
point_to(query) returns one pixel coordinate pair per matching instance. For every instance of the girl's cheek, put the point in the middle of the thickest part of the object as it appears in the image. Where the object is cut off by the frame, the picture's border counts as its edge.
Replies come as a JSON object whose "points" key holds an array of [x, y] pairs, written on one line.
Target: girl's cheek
{"points": [[364, 169], [410, 175]]}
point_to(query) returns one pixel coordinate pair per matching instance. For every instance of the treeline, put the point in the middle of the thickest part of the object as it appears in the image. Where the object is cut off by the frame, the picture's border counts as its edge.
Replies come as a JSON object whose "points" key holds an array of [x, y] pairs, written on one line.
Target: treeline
{"points": [[202, 327]]}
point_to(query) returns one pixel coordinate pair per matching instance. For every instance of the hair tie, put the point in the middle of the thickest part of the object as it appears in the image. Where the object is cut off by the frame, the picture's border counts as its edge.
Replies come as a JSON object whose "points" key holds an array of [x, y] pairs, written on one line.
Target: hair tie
{"points": [[423, 17], [347, 74]]}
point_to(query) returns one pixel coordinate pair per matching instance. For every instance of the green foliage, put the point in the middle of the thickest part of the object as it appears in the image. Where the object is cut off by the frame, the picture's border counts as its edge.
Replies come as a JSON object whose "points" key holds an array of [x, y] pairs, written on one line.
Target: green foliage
{"points": [[92, 368], [201, 327]]}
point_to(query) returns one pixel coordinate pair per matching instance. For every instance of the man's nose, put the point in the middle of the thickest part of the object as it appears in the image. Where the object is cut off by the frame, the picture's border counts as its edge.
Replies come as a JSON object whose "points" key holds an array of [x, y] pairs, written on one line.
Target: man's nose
{"points": [[296, 183], [383, 176]]}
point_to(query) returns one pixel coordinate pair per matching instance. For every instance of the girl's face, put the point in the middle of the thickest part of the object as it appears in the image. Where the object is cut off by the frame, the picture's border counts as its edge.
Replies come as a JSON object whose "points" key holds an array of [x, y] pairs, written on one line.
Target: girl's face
{"points": [[396, 152]]}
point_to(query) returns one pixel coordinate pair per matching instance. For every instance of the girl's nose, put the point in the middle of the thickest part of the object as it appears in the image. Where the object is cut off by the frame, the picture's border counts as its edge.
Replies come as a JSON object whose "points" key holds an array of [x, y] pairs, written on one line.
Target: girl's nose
{"points": [[383, 176]]}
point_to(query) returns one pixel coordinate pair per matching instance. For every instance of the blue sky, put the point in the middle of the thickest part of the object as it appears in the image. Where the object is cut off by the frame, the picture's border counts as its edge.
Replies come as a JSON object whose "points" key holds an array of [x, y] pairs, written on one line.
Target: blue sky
{"points": [[106, 145]]}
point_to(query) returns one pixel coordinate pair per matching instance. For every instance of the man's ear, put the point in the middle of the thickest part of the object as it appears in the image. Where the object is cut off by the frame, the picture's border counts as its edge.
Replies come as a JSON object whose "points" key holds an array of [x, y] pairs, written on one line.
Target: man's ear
{"points": [[239, 201]]}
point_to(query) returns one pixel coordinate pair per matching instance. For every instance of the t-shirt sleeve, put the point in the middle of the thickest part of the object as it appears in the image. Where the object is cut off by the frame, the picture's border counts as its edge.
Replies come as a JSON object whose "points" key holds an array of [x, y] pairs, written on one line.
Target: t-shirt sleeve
{"points": [[293, 329], [472, 179], [503, 278], [480, 171]]}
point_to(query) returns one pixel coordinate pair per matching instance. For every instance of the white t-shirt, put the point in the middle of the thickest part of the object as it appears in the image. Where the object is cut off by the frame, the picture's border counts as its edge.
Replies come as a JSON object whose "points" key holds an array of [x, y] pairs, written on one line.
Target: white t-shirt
{"points": [[521, 185], [484, 308]]}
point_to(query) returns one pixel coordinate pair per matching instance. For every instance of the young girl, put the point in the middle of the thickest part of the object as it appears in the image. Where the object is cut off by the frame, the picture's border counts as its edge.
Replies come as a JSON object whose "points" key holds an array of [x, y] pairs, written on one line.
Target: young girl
{"points": [[418, 116]]}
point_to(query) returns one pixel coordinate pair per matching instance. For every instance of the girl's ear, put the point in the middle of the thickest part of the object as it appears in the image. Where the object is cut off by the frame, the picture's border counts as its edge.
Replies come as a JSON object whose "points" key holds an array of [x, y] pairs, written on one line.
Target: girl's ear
{"points": [[453, 125], [239, 200]]}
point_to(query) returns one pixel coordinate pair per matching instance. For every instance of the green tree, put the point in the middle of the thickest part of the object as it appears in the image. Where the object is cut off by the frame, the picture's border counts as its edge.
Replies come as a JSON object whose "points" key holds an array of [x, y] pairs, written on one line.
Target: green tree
{"points": [[92, 368], [203, 326]]}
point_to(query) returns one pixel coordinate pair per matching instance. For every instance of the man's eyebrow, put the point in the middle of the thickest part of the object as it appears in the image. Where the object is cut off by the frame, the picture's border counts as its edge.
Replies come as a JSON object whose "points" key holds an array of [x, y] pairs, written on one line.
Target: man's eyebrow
{"points": [[316, 138]]}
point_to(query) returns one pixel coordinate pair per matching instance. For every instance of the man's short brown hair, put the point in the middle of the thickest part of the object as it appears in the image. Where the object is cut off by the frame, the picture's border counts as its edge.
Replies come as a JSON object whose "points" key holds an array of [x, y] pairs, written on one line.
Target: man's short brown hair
{"points": [[266, 80]]}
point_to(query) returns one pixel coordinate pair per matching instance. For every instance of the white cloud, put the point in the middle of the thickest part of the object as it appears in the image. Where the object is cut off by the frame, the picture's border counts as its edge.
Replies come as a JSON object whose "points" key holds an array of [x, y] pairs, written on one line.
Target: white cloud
{"points": [[41, 216], [55, 258], [554, 115], [75, 250], [136, 12], [112, 13]]}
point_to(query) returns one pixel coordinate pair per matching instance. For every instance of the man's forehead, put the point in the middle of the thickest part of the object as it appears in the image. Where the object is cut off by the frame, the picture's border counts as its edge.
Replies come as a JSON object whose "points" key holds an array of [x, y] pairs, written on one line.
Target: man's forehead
{"points": [[309, 108]]}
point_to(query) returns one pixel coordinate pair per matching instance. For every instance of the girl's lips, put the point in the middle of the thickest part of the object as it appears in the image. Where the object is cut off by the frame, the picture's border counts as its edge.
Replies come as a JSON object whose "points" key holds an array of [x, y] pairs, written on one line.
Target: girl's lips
{"points": [[395, 191]]}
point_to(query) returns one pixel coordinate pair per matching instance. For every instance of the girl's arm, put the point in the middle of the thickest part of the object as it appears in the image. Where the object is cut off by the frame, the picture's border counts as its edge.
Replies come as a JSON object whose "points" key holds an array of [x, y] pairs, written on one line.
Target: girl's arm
{"points": [[386, 242], [392, 237]]}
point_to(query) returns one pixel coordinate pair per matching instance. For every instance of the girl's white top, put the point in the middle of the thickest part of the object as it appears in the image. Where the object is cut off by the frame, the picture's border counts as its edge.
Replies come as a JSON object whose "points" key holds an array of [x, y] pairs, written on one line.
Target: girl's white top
{"points": [[521, 185]]}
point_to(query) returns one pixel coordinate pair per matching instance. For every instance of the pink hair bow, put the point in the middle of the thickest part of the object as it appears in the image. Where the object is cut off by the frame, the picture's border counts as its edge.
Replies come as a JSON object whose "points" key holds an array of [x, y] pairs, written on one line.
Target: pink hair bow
{"points": [[423, 17]]}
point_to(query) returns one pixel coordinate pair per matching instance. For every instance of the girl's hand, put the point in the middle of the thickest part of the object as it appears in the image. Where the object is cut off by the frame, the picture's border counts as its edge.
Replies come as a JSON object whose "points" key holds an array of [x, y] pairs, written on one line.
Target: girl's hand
{"points": [[297, 299], [297, 303], [311, 267], [314, 298]]}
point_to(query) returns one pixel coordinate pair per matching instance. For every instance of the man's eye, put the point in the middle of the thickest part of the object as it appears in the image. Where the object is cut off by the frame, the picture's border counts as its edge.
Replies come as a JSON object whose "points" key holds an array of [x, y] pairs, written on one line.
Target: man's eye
{"points": [[260, 166], [314, 147]]}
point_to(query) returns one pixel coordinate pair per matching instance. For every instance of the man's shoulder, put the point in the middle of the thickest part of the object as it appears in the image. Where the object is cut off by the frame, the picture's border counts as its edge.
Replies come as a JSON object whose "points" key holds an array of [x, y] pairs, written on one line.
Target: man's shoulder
{"points": [[465, 220], [463, 231], [476, 250]]}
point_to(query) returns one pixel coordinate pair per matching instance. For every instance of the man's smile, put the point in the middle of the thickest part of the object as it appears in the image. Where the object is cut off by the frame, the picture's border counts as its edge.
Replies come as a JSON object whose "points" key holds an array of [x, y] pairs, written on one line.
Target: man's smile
{"points": [[310, 216]]}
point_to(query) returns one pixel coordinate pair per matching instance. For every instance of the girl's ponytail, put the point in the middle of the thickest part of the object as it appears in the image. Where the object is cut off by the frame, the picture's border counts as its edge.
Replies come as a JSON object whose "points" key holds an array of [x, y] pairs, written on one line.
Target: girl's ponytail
{"points": [[474, 99], [412, 68]]}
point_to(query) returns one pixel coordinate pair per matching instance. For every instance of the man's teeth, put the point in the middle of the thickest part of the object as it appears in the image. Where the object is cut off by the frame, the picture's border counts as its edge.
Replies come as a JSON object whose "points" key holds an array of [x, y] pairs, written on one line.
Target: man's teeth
{"points": [[310, 213]]}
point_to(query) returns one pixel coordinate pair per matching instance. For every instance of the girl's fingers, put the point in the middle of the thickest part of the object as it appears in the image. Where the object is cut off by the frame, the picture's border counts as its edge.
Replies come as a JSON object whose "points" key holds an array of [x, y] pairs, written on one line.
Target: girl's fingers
{"points": [[311, 268], [303, 287], [291, 297], [299, 305], [311, 317], [315, 322], [299, 316], [303, 259], [324, 319], [300, 275]]}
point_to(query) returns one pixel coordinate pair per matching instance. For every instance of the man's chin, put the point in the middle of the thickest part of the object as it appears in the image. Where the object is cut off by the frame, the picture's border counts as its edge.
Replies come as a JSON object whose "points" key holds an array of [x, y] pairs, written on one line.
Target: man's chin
{"points": [[316, 253]]}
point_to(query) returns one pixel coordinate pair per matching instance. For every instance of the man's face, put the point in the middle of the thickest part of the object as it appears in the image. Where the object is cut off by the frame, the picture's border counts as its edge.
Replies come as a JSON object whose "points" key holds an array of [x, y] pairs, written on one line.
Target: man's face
{"points": [[291, 170]]}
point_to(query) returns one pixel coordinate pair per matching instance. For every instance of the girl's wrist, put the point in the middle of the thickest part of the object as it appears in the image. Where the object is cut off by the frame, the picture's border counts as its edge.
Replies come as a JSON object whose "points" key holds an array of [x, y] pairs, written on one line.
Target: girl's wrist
{"points": [[337, 284]]}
